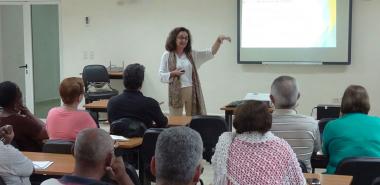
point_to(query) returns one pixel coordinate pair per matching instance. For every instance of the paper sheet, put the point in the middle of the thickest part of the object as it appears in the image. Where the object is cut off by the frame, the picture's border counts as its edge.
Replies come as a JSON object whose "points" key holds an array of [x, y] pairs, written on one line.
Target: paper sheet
{"points": [[40, 165], [119, 138]]}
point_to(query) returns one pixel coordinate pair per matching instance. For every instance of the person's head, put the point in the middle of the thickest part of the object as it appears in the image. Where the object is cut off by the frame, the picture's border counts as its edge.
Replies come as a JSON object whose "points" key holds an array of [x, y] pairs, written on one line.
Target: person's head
{"points": [[93, 149], [10, 95], [355, 100], [178, 155], [284, 92], [71, 90], [133, 76], [179, 37], [252, 116]]}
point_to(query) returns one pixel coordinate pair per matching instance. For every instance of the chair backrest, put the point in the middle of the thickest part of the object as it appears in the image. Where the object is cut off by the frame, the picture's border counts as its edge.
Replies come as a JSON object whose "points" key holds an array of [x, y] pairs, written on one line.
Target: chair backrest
{"points": [[58, 146], [2, 181], [303, 166], [322, 124], [363, 169], [210, 128], [146, 153], [131, 171], [128, 127], [301, 141], [94, 73]]}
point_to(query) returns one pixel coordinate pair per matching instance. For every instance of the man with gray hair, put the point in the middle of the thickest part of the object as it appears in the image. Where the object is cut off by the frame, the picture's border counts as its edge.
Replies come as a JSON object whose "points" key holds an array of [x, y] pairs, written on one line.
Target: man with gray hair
{"points": [[300, 131], [178, 155], [94, 157]]}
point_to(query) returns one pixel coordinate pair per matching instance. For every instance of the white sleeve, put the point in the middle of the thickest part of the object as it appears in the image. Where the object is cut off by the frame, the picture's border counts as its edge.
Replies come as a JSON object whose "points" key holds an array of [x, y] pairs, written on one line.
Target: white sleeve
{"points": [[164, 68], [200, 57], [20, 164]]}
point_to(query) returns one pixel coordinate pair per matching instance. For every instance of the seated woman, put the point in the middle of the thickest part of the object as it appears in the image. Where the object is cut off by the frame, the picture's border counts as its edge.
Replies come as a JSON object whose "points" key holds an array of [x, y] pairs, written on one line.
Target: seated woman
{"points": [[253, 155], [15, 168], [355, 133], [29, 130], [67, 121]]}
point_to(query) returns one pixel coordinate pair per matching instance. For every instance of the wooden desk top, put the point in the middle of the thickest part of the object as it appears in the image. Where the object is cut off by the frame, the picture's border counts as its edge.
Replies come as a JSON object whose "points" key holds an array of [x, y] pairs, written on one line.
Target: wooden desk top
{"points": [[326, 179], [172, 120], [131, 143], [63, 164], [179, 120], [115, 74], [232, 109], [100, 104]]}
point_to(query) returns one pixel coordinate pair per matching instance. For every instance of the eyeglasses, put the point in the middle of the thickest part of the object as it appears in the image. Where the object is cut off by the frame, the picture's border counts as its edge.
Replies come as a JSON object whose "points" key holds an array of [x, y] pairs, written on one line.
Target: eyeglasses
{"points": [[183, 38]]}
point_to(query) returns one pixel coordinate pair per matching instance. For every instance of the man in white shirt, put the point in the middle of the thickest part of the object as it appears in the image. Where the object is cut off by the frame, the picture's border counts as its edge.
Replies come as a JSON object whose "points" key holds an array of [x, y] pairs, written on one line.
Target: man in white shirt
{"points": [[15, 168], [300, 131]]}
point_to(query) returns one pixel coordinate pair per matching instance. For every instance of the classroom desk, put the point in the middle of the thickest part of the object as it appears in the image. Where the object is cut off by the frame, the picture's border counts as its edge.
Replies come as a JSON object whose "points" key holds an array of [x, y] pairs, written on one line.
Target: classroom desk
{"points": [[326, 179], [115, 74], [228, 114], [63, 164], [131, 143], [101, 106]]}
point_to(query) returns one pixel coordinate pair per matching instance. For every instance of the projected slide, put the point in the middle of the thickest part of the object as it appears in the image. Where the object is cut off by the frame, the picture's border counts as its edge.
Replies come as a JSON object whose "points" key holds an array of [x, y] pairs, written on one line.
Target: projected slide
{"points": [[288, 24]]}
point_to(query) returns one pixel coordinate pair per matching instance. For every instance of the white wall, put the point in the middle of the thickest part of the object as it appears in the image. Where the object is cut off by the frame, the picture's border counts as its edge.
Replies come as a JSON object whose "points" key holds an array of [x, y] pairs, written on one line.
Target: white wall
{"points": [[136, 30]]}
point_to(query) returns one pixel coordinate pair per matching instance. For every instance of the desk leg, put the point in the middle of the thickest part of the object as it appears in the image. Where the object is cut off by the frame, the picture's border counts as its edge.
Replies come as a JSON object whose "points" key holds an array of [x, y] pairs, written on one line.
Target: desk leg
{"points": [[228, 116]]}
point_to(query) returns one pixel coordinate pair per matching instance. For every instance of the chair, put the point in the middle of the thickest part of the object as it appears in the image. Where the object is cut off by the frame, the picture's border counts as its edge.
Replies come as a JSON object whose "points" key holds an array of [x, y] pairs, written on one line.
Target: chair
{"points": [[322, 124], [363, 169], [210, 128], [146, 153], [376, 181], [96, 73], [128, 127], [303, 166], [58, 146], [131, 171]]}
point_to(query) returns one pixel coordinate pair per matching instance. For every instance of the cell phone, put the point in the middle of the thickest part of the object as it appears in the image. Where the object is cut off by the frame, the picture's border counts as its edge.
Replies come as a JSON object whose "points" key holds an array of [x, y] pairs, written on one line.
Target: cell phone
{"points": [[313, 181]]}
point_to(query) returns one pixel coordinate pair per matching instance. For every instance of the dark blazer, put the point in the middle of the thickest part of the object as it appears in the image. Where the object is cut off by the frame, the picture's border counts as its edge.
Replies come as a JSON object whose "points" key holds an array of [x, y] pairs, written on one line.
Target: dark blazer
{"points": [[133, 104]]}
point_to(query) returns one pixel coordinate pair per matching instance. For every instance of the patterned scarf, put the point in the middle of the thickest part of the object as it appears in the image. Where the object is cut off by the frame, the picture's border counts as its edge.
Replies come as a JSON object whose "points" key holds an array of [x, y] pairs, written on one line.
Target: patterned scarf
{"points": [[175, 100]]}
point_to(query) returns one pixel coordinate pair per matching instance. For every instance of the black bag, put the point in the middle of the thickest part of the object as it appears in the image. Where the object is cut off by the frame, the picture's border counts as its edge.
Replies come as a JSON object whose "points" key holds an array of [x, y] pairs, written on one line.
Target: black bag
{"points": [[128, 127]]}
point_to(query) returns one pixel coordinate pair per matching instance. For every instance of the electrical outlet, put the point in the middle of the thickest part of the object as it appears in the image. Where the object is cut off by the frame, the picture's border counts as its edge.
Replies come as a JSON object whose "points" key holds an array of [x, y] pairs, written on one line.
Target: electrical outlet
{"points": [[85, 55], [91, 55]]}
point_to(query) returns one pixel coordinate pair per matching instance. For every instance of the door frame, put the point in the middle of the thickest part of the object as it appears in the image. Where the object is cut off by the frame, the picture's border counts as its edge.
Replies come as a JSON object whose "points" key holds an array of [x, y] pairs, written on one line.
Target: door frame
{"points": [[28, 52]]}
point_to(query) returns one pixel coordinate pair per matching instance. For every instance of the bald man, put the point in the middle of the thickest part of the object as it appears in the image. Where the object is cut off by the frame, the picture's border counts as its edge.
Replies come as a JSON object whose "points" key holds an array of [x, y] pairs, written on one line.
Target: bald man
{"points": [[94, 158]]}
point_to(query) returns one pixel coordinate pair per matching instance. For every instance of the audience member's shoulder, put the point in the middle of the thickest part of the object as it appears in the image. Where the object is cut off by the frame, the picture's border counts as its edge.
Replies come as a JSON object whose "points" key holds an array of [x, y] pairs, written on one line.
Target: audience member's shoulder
{"points": [[51, 182], [375, 118], [227, 136]]}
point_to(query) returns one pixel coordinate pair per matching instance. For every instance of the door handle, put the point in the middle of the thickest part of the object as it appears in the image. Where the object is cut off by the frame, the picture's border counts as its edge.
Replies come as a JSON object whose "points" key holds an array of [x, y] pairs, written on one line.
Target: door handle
{"points": [[24, 66]]}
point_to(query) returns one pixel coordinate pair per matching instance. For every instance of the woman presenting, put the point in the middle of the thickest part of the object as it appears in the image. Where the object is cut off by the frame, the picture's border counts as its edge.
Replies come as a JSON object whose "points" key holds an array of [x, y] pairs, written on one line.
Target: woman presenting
{"points": [[179, 68]]}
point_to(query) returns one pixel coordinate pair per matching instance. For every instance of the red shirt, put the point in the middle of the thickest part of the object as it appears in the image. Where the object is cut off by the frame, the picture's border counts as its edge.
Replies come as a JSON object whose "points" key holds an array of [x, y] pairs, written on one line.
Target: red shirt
{"points": [[26, 132]]}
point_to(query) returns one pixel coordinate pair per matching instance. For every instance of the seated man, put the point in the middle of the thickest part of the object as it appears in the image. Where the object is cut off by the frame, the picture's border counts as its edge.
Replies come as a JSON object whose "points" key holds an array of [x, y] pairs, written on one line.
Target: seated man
{"points": [[94, 157], [132, 103], [178, 155], [286, 123], [15, 168]]}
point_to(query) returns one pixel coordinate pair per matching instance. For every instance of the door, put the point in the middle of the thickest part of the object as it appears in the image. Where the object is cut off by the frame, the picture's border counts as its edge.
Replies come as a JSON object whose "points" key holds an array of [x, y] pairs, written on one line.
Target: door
{"points": [[45, 51], [29, 52]]}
